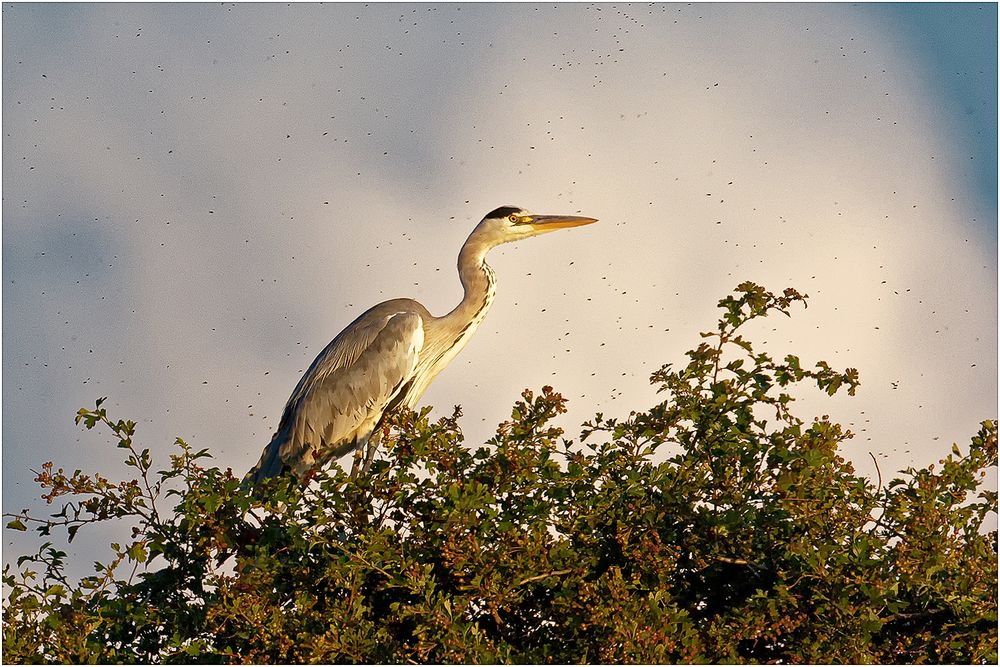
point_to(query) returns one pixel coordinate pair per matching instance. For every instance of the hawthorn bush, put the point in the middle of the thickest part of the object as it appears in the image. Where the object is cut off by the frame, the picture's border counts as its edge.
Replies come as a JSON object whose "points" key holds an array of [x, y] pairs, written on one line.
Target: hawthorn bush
{"points": [[715, 526]]}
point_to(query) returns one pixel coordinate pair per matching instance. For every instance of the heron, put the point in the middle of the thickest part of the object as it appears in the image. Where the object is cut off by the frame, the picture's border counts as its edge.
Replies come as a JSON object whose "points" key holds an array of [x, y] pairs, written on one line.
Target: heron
{"points": [[387, 358]]}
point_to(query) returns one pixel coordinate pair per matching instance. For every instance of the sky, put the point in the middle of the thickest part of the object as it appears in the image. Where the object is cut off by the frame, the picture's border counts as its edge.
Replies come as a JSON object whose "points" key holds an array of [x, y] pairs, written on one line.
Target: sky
{"points": [[197, 198]]}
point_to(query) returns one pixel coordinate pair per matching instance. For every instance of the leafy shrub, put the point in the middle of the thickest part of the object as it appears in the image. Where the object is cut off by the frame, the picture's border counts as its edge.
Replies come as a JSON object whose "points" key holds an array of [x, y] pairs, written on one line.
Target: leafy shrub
{"points": [[714, 527]]}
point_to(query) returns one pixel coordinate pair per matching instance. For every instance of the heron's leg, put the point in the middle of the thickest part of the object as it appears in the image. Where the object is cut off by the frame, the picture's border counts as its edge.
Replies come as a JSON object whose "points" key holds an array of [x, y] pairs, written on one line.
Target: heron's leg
{"points": [[359, 454], [373, 443]]}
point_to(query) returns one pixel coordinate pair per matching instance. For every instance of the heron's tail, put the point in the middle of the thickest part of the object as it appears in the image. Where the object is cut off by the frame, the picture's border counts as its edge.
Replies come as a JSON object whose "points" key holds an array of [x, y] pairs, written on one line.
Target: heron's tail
{"points": [[270, 463]]}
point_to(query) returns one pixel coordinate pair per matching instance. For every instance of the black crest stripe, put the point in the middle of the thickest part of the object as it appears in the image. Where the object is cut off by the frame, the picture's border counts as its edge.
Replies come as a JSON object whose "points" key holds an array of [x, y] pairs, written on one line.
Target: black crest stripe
{"points": [[503, 212]]}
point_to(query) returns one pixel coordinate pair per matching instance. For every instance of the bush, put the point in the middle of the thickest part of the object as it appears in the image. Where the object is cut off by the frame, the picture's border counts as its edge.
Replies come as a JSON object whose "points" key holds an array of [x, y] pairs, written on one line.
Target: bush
{"points": [[714, 527]]}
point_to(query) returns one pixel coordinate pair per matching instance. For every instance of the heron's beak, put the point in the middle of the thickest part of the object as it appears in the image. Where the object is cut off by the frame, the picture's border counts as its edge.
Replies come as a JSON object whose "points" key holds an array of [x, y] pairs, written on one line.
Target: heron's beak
{"points": [[547, 222]]}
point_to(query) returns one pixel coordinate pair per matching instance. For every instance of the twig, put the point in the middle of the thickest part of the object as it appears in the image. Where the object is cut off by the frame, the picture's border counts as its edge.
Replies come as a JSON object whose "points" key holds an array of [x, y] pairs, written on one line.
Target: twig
{"points": [[732, 561], [878, 471], [355, 556], [539, 577]]}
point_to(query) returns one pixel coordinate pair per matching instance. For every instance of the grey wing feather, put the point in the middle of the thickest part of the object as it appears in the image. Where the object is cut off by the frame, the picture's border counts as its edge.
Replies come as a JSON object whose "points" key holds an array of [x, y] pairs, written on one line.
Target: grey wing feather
{"points": [[342, 396]]}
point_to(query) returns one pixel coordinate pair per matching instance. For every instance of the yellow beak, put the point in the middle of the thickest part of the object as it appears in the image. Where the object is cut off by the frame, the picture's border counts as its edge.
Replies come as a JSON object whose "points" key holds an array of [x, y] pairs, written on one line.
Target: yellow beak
{"points": [[559, 221]]}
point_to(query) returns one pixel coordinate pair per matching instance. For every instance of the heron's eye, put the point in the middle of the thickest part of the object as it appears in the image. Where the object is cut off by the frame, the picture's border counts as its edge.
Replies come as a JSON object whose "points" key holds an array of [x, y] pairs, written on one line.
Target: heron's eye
{"points": [[512, 217]]}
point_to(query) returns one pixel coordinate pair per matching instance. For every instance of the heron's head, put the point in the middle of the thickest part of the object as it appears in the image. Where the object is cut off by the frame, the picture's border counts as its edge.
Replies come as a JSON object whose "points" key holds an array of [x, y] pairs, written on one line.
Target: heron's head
{"points": [[512, 223]]}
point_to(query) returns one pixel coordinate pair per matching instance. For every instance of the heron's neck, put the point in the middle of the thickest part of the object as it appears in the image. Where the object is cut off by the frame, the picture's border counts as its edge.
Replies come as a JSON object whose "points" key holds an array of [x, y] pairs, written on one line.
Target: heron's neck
{"points": [[478, 283]]}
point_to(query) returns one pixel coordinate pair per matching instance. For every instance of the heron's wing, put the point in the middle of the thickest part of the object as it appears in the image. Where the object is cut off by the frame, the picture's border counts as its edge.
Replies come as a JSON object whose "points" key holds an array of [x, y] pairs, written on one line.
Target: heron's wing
{"points": [[344, 393]]}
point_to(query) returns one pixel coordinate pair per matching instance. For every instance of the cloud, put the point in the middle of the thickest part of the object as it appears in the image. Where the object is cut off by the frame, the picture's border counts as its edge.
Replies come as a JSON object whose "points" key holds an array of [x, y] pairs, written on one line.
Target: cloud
{"points": [[217, 191]]}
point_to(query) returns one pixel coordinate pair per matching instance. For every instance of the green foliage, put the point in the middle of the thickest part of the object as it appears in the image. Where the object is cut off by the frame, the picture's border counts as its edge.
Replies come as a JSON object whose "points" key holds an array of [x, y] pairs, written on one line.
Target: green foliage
{"points": [[714, 527]]}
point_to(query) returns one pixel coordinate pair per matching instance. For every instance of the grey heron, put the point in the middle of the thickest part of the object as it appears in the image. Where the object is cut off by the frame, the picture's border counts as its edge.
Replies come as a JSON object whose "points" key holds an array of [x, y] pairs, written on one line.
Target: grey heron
{"points": [[388, 356]]}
